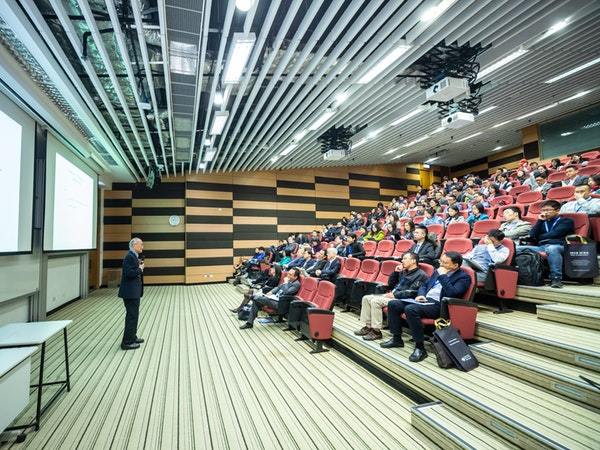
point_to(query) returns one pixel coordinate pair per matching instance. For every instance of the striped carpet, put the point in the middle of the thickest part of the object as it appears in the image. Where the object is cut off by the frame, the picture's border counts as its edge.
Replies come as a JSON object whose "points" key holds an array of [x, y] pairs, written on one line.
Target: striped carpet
{"points": [[200, 382]]}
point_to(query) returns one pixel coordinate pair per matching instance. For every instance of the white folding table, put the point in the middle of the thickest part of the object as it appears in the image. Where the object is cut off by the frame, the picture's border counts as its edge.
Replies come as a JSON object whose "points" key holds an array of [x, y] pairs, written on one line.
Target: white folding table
{"points": [[15, 376], [33, 334]]}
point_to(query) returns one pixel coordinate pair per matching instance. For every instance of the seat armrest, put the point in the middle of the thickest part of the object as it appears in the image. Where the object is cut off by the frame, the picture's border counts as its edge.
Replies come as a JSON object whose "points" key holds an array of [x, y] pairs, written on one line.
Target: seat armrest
{"points": [[315, 311]]}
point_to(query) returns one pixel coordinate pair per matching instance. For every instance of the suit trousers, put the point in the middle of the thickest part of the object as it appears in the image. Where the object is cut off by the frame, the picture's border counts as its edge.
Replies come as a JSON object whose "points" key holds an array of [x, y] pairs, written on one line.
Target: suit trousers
{"points": [[258, 301], [132, 308], [371, 312], [414, 313]]}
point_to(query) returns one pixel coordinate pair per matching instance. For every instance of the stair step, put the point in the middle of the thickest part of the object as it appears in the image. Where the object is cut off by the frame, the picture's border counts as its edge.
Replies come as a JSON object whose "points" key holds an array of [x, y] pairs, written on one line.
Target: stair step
{"points": [[583, 295], [580, 316], [556, 376], [453, 430], [525, 415], [573, 345]]}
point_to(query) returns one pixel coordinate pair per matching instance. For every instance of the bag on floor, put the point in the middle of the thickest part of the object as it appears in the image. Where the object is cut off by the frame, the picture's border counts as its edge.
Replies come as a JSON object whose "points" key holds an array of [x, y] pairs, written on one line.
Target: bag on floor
{"points": [[442, 357], [580, 259], [531, 268], [456, 349], [244, 313]]}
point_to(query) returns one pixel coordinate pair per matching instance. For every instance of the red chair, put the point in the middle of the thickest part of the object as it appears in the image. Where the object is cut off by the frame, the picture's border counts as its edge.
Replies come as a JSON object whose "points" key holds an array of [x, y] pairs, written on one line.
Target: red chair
{"points": [[482, 227], [535, 208], [594, 154], [314, 319], [565, 159], [441, 215], [595, 227], [490, 212], [308, 289], [418, 219], [581, 223], [370, 248], [427, 268], [500, 212], [527, 198], [360, 288], [594, 162], [459, 245], [531, 219], [502, 200], [385, 249], [458, 230], [519, 190], [589, 171], [401, 248], [557, 176], [464, 213], [369, 268], [350, 268], [359, 232], [561, 194], [436, 228]]}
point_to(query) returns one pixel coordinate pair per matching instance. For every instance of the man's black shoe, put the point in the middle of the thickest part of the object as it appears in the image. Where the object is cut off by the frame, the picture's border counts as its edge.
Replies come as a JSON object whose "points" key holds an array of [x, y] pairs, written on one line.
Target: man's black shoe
{"points": [[139, 341], [246, 325], [130, 346], [418, 355], [556, 283], [392, 343]]}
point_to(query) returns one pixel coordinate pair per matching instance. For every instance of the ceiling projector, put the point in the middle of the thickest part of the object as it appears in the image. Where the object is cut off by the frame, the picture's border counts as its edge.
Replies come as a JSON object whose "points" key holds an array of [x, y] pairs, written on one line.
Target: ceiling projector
{"points": [[335, 154], [457, 120], [447, 89]]}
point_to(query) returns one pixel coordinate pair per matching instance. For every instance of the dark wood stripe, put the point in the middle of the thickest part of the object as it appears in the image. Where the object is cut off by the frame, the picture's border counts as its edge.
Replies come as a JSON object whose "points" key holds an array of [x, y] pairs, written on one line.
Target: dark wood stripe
{"points": [[360, 176], [469, 164], [117, 203], [117, 220], [254, 212], [174, 211], [295, 199], [254, 232], [360, 193], [295, 184], [123, 186], [208, 237], [164, 271], [209, 219], [164, 253], [119, 245], [223, 261], [284, 213], [112, 263], [243, 251], [437, 173], [161, 236], [208, 243], [254, 193], [335, 181], [506, 160], [202, 186], [166, 190], [413, 170], [393, 183], [209, 203]]}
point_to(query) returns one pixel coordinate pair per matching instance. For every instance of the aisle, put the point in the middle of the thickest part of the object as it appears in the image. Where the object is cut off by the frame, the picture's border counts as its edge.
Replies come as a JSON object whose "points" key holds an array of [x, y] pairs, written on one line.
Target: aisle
{"points": [[200, 382]]}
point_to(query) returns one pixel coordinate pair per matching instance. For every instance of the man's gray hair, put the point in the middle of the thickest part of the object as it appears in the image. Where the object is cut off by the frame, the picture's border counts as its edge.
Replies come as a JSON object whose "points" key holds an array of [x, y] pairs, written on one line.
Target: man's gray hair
{"points": [[134, 241], [331, 251]]}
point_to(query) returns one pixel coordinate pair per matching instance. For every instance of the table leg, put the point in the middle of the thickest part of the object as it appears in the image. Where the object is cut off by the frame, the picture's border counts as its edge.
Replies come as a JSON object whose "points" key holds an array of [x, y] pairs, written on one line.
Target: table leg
{"points": [[67, 360], [40, 384]]}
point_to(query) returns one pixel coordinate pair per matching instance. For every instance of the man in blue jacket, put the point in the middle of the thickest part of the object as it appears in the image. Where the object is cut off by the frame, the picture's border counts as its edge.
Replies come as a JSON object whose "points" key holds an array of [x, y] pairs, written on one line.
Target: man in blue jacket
{"points": [[549, 233], [448, 281], [131, 290], [331, 267]]}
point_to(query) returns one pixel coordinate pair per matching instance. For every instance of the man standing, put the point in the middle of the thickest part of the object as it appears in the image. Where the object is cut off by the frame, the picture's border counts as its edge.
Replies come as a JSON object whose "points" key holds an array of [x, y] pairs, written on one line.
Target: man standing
{"points": [[131, 290]]}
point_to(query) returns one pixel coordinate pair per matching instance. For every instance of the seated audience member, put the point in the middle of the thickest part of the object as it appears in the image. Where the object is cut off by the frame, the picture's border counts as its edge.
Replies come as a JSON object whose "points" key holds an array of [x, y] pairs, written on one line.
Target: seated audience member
{"points": [[576, 159], [278, 299], [503, 183], [555, 164], [423, 247], [453, 202], [352, 248], [480, 200], [524, 166], [468, 195], [572, 179], [584, 202], [299, 261], [267, 281], [408, 230], [540, 183], [331, 267], [375, 233], [410, 278], [493, 192], [431, 218], [447, 281], [594, 183], [477, 214], [487, 254], [312, 265], [453, 216], [549, 233], [521, 176], [513, 227]]}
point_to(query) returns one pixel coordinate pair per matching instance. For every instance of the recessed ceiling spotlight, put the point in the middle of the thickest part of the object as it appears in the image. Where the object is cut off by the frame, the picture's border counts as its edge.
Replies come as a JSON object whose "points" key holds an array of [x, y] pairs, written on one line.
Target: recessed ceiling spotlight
{"points": [[244, 5]]}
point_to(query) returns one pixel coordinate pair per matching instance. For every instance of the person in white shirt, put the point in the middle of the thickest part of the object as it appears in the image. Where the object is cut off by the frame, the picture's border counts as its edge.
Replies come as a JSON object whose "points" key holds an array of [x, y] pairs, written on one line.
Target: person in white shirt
{"points": [[572, 178], [583, 203], [483, 256]]}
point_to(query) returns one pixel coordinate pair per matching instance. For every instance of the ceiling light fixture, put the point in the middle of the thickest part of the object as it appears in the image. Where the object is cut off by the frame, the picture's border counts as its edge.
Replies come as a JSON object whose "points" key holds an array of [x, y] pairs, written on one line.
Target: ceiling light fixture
{"points": [[241, 47], [183, 58], [567, 133], [438, 130], [244, 5], [288, 149], [399, 156], [219, 122], [434, 12], [556, 27], [430, 160], [499, 147], [416, 141], [479, 133], [488, 109], [209, 154], [300, 135], [202, 165], [218, 98], [501, 63], [395, 54], [573, 71], [374, 133], [274, 159], [328, 114], [391, 150], [359, 143], [341, 97], [404, 118], [545, 108], [502, 123], [573, 97], [207, 142]]}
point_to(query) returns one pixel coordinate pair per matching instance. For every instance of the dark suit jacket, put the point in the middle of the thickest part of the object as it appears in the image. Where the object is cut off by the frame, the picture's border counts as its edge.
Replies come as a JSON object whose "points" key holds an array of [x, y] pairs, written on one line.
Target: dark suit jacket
{"points": [[356, 250], [427, 252], [132, 277], [330, 270], [287, 288], [556, 234], [453, 286], [316, 265]]}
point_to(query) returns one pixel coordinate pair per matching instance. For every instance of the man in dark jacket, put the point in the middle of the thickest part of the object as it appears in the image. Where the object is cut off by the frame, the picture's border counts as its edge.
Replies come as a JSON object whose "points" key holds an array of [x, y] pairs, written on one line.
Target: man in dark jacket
{"points": [[352, 247], [312, 265], [448, 281], [410, 279], [549, 233], [331, 267], [423, 247], [131, 291], [278, 299]]}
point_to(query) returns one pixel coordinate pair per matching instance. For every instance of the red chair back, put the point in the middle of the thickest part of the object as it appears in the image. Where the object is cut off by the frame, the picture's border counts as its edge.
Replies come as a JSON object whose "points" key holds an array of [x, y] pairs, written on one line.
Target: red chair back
{"points": [[527, 198], [557, 176], [561, 194], [589, 171], [436, 228], [594, 154], [402, 247], [519, 190], [460, 245], [594, 162], [469, 294], [350, 268], [531, 219], [386, 269], [325, 295], [500, 212], [370, 247], [482, 227], [581, 223], [502, 200], [464, 213], [427, 268], [458, 230], [308, 288], [385, 249], [535, 208], [369, 269], [418, 219], [282, 276]]}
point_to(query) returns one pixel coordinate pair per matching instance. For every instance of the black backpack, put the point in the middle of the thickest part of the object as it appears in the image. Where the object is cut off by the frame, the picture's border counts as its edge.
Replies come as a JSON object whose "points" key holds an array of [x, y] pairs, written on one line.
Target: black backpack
{"points": [[531, 268]]}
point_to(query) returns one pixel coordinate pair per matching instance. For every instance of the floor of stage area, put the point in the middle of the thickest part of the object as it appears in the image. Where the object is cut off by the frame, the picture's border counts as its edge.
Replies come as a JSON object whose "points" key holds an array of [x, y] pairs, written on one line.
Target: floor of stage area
{"points": [[200, 382]]}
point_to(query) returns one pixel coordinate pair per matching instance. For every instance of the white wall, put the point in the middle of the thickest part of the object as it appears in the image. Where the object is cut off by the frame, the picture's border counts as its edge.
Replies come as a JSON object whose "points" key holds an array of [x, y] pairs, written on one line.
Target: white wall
{"points": [[63, 281]]}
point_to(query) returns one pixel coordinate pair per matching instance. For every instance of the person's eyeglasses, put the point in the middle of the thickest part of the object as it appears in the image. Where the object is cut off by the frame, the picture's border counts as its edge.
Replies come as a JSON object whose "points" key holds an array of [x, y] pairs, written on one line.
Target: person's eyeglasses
{"points": [[548, 210]]}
